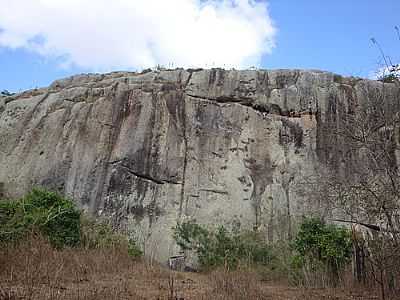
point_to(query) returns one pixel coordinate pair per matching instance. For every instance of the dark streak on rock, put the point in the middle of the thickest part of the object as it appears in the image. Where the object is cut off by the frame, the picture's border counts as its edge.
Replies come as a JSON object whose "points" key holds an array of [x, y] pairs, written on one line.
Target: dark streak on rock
{"points": [[185, 158], [148, 177], [214, 191]]}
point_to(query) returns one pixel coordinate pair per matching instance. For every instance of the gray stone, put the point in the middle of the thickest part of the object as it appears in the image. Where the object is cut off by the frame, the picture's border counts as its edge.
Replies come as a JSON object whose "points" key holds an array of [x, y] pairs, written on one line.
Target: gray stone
{"points": [[148, 150]]}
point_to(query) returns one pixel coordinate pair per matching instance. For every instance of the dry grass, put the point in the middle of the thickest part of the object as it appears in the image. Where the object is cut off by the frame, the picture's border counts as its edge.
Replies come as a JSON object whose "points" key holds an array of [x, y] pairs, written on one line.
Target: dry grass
{"points": [[238, 285], [34, 270]]}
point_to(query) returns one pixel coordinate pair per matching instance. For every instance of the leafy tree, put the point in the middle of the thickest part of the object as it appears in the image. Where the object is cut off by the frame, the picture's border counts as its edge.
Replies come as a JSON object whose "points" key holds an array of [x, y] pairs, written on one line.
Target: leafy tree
{"points": [[47, 212], [318, 243]]}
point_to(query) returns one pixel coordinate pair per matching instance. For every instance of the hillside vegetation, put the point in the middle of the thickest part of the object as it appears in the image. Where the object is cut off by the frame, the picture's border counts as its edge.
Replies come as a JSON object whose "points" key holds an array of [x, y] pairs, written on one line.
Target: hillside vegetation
{"points": [[50, 250]]}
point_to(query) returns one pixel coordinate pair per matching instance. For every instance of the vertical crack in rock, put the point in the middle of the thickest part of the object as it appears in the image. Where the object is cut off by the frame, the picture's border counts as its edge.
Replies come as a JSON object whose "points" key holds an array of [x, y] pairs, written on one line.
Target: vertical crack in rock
{"points": [[37, 105], [185, 157], [270, 231], [28, 119], [286, 186], [151, 210], [116, 120], [188, 80]]}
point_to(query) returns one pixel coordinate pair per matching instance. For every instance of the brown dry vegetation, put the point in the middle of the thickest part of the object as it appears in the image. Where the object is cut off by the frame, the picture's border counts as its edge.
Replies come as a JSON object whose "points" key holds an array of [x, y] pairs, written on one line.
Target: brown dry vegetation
{"points": [[35, 270]]}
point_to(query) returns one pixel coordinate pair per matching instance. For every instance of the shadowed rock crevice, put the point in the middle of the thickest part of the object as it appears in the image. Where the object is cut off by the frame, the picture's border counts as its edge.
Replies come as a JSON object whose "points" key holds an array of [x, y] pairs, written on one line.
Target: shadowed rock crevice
{"points": [[149, 178], [247, 102]]}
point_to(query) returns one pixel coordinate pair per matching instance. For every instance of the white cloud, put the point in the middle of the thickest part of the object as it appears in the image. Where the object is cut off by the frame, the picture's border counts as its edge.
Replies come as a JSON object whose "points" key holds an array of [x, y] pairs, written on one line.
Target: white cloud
{"points": [[109, 34]]}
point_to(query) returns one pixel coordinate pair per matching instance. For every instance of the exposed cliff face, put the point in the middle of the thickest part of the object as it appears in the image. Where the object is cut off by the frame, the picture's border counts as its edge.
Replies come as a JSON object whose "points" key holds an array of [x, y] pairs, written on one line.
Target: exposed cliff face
{"points": [[230, 147]]}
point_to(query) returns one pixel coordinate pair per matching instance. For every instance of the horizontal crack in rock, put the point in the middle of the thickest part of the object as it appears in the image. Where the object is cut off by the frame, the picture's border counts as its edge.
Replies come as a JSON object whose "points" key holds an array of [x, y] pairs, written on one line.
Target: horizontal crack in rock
{"points": [[144, 176], [215, 191], [229, 100]]}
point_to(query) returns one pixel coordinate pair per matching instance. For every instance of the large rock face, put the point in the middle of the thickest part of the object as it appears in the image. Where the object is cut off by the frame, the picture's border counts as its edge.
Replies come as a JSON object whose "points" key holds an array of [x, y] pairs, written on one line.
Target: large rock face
{"points": [[223, 147]]}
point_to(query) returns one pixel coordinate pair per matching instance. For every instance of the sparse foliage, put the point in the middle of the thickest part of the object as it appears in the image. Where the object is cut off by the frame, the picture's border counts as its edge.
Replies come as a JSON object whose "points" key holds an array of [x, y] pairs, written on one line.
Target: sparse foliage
{"points": [[98, 234], [369, 192]]}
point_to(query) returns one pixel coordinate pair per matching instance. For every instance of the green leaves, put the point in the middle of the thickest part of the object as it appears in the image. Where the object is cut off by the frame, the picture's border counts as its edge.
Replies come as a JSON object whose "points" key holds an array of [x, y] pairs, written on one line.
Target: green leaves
{"points": [[61, 222], [326, 243], [189, 235], [51, 214], [221, 247], [133, 249]]}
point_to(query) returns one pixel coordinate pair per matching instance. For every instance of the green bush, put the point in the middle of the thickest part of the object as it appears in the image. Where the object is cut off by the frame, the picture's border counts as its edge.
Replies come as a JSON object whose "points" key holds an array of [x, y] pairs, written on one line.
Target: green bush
{"points": [[133, 249], [189, 235], [322, 246], [221, 247], [49, 213], [57, 218], [327, 243]]}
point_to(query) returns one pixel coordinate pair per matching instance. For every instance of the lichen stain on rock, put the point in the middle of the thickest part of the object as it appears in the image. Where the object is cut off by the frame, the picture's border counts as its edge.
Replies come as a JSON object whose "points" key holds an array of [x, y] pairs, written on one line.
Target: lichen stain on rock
{"points": [[291, 133]]}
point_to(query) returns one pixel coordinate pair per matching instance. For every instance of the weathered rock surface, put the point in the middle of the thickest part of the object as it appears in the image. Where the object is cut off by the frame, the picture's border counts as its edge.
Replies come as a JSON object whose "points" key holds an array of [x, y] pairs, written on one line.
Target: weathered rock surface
{"points": [[222, 147]]}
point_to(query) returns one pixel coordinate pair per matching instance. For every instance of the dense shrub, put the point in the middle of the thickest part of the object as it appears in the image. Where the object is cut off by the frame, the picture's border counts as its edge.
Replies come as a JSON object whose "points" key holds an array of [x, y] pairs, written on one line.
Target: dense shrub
{"points": [[322, 246], [49, 213], [57, 219], [221, 247], [327, 243]]}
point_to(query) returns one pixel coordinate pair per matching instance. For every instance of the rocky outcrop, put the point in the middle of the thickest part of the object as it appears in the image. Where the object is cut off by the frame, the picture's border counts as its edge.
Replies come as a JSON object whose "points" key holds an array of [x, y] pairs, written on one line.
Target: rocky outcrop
{"points": [[223, 147]]}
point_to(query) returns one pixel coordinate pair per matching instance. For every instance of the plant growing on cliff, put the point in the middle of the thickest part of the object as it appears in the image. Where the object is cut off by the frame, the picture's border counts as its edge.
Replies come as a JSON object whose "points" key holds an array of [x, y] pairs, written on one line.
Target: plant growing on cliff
{"points": [[47, 212]]}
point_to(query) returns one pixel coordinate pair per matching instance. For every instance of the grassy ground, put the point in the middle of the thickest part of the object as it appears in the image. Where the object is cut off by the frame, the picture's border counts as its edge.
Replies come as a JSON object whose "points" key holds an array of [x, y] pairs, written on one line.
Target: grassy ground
{"points": [[34, 270]]}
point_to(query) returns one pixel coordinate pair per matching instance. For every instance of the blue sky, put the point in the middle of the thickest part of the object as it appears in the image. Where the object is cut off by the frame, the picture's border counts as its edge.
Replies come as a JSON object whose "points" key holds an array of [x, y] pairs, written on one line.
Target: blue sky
{"points": [[334, 35], [311, 34]]}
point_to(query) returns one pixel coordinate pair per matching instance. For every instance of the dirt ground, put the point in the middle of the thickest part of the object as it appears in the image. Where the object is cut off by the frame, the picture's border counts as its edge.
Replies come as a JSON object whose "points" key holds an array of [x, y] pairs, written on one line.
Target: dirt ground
{"points": [[160, 284], [34, 270]]}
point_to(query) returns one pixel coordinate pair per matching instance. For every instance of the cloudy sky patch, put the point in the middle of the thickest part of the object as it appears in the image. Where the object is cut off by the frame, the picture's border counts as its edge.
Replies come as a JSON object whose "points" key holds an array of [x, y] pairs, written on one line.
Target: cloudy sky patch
{"points": [[102, 35]]}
